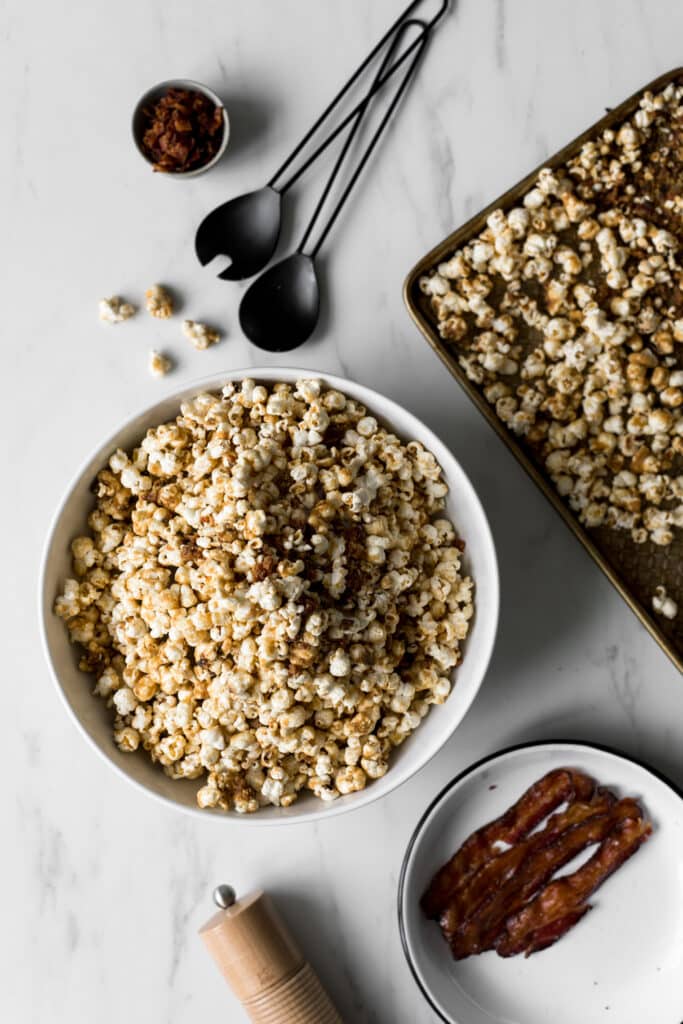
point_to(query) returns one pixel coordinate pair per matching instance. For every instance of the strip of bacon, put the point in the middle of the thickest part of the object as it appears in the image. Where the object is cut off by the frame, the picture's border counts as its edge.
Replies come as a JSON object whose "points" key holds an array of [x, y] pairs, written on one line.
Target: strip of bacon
{"points": [[467, 899], [554, 930], [562, 899], [483, 930], [558, 786]]}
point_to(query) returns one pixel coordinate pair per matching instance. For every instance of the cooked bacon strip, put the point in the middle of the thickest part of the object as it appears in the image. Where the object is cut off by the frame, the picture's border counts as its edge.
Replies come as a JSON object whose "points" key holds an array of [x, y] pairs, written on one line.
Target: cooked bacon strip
{"points": [[558, 786], [561, 900], [466, 899], [554, 930], [484, 928]]}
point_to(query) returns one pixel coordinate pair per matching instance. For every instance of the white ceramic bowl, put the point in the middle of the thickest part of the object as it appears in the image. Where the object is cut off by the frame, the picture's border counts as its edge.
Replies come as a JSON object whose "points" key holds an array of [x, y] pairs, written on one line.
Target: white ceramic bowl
{"points": [[151, 97], [91, 714]]}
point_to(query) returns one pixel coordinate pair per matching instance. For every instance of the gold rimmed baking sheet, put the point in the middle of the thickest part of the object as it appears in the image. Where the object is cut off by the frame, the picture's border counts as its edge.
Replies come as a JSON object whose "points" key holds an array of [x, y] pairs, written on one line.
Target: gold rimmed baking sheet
{"points": [[634, 569]]}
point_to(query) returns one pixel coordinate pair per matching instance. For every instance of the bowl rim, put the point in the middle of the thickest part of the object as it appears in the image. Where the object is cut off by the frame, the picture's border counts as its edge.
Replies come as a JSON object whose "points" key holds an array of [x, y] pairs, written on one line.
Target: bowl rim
{"points": [[550, 744], [269, 374], [184, 83]]}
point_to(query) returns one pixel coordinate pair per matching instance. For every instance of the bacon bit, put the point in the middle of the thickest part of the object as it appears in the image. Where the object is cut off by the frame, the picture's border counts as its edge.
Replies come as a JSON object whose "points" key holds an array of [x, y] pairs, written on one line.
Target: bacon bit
{"points": [[334, 434], [301, 654], [184, 131], [355, 542], [190, 551], [264, 568]]}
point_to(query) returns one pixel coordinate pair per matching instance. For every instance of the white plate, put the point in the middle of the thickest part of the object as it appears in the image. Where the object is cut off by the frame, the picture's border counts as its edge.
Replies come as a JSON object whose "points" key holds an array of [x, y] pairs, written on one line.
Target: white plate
{"points": [[623, 963]]}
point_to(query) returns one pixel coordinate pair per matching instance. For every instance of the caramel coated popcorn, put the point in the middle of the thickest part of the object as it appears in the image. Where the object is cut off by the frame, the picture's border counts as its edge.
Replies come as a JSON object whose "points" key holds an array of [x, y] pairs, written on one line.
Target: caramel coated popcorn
{"points": [[159, 302], [269, 598], [567, 312], [200, 336], [115, 310], [159, 364]]}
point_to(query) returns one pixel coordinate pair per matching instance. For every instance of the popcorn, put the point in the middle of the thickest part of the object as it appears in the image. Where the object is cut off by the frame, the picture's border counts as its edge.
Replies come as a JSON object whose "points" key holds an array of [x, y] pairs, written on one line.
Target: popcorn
{"points": [[159, 364], [663, 604], [159, 302], [200, 335], [124, 701], [340, 663], [114, 310], [127, 739], [587, 371], [256, 572], [350, 779]]}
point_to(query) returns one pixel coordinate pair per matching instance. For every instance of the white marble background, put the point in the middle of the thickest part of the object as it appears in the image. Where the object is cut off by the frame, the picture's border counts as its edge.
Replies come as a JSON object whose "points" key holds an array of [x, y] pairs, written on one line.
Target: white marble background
{"points": [[104, 890]]}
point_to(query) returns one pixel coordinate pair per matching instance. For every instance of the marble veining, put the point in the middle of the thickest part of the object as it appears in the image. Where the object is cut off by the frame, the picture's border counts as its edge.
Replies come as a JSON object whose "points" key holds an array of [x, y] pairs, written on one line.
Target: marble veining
{"points": [[104, 890]]}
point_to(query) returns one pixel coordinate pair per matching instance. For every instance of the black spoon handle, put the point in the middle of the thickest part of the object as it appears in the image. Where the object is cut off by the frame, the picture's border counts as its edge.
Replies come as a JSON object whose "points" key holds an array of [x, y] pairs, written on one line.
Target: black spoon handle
{"points": [[398, 36], [377, 84], [419, 48]]}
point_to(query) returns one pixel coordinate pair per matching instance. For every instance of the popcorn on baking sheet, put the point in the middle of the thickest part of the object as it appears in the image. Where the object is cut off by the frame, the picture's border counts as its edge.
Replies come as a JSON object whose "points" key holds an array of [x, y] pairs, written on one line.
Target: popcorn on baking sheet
{"points": [[115, 310], [200, 335], [579, 353], [663, 604], [270, 599], [159, 302]]}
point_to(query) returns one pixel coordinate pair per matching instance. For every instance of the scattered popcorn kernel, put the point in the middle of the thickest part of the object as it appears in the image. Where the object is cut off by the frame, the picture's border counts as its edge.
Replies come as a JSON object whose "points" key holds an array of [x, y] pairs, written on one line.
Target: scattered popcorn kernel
{"points": [[114, 310], [159, 302], [200, 335], [159, 364]]}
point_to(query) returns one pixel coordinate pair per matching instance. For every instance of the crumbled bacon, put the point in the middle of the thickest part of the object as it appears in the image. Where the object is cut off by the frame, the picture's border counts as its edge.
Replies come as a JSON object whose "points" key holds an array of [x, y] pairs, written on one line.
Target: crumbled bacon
{"points": [[264, 567], [184, 131]]}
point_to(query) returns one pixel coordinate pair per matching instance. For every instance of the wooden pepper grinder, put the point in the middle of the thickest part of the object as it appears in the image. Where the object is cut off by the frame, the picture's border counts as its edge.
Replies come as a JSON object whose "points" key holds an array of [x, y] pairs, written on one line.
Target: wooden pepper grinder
{"points": [[262, 963]]}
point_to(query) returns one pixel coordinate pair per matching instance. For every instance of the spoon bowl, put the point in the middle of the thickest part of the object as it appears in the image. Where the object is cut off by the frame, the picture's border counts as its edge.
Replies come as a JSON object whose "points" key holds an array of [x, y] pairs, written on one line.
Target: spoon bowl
{"points": [[280, 309], [246, 229]]}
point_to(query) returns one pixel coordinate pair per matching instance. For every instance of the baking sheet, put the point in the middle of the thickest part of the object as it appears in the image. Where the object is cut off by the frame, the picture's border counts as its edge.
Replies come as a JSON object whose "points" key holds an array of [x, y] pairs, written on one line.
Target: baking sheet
{"points": [[634, 569]]}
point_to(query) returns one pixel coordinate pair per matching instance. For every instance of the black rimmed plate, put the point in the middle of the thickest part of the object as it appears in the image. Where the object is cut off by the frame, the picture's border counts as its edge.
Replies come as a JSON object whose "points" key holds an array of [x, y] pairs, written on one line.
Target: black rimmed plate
{"points": [[622, 963]]}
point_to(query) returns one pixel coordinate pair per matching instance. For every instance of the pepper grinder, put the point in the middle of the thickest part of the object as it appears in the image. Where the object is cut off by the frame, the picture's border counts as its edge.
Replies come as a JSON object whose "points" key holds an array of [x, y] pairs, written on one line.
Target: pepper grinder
{"points": [[262, 963]]}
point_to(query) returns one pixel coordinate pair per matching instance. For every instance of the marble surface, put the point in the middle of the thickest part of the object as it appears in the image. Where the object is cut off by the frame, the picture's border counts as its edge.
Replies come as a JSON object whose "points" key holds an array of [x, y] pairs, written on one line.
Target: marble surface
{"points": [[104, 890]]}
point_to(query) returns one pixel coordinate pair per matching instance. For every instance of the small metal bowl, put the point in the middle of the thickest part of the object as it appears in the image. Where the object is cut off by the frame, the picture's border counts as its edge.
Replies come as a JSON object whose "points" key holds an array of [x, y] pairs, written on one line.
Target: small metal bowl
{"points": [[152, 96]]}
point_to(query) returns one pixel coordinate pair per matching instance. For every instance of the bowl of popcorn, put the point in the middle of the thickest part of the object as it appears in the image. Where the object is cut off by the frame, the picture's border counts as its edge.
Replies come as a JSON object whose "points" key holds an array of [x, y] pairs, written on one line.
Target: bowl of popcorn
{"points": [[256, 591]]}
